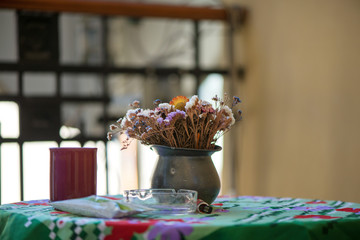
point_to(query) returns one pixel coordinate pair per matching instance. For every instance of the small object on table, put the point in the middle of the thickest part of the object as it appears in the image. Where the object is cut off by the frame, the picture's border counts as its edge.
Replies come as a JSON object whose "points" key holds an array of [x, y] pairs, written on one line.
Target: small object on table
{"points": [[100, 207], [164, 201], [72, 173], [203, 207]]}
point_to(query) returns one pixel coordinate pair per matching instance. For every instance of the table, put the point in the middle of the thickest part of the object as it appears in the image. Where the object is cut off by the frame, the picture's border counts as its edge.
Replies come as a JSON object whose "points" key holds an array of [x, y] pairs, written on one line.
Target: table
{"points": [[243, 217]]}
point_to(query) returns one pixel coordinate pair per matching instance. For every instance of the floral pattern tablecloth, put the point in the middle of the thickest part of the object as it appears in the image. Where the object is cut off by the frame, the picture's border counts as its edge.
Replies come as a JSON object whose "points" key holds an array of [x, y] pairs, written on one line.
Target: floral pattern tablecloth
{"points": [[244, 217]]}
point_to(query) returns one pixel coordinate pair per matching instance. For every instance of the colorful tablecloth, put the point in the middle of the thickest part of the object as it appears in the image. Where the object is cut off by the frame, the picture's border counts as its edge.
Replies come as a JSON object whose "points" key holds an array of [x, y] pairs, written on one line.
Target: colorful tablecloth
{"points": [[244, 217]]}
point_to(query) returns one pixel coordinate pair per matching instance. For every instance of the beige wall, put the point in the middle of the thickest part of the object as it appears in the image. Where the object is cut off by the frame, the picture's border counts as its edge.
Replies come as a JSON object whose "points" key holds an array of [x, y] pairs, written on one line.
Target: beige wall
{"points": [[301, 101]]}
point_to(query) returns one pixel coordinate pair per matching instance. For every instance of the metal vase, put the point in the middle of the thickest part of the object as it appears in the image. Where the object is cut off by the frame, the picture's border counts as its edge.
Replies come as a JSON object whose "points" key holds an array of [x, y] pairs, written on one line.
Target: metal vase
{"points": [[181, 168]]}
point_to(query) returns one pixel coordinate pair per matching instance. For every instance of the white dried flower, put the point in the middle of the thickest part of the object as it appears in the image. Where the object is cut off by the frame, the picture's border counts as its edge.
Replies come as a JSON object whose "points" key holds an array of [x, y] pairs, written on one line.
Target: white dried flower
{"points": [[130, 112], [205, 103], [229, 114], [145, 113], [165, 106], [191, 102], [113, 127], [122, 124]]}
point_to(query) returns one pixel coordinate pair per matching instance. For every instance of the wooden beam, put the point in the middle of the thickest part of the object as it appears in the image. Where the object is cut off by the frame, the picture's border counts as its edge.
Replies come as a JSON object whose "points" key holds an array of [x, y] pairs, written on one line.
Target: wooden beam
{"points": [[121, 8]]}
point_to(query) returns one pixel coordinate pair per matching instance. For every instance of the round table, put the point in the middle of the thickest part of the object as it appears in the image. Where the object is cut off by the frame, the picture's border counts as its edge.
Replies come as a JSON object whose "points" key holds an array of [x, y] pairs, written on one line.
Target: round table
{"points": [[243, 217]]}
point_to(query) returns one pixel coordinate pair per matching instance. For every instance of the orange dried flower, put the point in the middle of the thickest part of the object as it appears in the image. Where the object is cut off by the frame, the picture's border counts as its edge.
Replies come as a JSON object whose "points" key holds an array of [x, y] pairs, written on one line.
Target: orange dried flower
{"points": [[179, 102]]}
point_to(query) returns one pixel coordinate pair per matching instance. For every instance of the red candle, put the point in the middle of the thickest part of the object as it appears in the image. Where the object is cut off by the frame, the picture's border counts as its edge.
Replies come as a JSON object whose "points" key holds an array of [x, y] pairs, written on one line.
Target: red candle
{"points": [[72, 173]]}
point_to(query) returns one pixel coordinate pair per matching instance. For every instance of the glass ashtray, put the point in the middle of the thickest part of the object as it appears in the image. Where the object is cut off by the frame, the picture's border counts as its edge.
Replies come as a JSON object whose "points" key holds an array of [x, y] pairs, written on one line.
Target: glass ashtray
{"points": [[164, 201]]}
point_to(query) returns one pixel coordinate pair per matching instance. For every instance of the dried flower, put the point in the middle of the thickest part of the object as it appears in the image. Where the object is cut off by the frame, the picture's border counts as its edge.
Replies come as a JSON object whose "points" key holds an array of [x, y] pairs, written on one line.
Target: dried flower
{"points": [[157, 102], [184, 123], [179, 102], [216, 98], [236, 100], [160, 120], [165, 106], [192, 102], [240, 114], [135, 104]]}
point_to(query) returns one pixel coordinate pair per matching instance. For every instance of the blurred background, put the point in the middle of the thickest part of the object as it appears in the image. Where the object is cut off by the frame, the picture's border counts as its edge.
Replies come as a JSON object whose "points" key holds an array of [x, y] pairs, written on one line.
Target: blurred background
{"points": [[65, 77], [300, 131]]}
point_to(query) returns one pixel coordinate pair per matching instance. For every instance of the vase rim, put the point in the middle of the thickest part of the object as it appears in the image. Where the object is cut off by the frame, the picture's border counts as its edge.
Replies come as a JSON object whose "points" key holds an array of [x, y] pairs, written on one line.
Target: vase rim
{"points": [[217, 148], [166, 150]]}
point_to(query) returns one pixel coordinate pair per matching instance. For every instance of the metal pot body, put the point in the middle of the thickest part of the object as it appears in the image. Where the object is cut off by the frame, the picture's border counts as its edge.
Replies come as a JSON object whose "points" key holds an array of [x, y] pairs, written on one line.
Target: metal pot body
{"points": [[192, 169]]}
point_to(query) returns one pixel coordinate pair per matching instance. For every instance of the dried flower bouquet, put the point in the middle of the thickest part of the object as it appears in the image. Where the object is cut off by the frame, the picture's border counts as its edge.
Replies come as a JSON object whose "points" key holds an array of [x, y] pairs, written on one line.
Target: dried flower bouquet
{"points": [[182, 123]]}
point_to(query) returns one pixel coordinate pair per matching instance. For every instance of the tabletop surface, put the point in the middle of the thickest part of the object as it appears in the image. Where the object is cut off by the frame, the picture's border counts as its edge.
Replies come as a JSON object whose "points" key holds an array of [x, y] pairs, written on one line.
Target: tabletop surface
{"points": [[243, 217]]}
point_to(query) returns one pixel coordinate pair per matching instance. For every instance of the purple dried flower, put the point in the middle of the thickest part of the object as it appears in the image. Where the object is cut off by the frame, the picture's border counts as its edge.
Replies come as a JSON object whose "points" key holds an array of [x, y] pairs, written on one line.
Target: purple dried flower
{"points": [[157, 102], [160, 120], [240, 114], [172, 115], [179, 112], [236, 100], [167, 122], [206, 107]]}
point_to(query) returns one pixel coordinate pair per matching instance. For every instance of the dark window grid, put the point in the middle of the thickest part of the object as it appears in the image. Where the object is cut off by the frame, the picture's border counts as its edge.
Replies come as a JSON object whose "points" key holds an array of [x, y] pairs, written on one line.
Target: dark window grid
{"points": [[104, 70]]}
